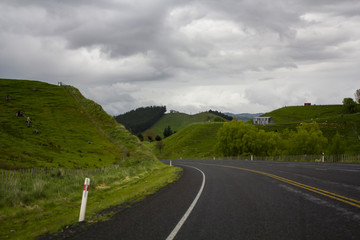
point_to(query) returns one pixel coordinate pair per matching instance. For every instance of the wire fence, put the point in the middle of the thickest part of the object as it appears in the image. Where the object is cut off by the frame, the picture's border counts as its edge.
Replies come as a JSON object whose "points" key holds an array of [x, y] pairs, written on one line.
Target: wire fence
{"points": [[41, 173], [340, 158]]}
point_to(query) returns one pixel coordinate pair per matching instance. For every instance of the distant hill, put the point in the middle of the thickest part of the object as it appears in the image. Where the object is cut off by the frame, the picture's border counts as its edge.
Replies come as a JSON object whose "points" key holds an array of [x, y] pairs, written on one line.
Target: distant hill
{"points": [[199, 140], [331, 118], [245, 117], [196, 140], [222, 115], [66, 130], [140, 119], [178, 121], [305, 113]]}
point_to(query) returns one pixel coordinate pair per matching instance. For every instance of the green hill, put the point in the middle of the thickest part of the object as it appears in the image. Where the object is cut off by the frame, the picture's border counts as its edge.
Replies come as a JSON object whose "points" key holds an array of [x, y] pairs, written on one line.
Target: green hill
{"points": [[199, 140], [196, 140], [305, 113], [66, 130], [178, 121], [331, 118]]}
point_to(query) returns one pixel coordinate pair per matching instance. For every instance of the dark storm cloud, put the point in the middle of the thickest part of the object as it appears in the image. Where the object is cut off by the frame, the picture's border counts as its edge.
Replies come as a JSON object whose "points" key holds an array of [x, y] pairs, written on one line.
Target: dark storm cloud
{"points": [[183, 52]]}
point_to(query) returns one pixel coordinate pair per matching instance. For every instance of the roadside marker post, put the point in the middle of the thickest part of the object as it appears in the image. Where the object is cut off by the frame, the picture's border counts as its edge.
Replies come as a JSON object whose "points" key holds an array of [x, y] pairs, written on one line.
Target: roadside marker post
{"points": [[170, 163], [323, 157], [84, 199]]}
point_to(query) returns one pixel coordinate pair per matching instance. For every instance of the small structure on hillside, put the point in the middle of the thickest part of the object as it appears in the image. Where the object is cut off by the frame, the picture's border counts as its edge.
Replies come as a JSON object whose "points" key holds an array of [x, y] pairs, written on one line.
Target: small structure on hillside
{"points": [[307, 104], [263, 120]]}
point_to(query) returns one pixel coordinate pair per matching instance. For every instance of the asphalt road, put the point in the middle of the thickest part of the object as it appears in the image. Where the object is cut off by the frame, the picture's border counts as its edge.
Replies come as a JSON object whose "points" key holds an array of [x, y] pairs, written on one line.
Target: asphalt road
{"points": [[245, 200]]}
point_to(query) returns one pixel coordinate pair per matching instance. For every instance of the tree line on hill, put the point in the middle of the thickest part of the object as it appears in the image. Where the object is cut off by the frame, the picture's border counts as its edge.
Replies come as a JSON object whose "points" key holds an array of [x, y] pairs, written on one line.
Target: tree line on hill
{"points": [[140, 119], [237, 138], [222, 115], [351, 105]]}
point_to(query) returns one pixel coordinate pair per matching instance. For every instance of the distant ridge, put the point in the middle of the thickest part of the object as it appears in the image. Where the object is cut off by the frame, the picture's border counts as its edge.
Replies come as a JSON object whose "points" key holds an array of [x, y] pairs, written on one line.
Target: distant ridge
{"points": [[245, 117], [178, 121]]}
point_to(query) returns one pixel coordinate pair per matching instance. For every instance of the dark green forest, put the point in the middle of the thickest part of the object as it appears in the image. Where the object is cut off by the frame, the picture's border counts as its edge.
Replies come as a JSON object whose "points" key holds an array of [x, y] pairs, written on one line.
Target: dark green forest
{"points": [[222, 115], [140, 119]]}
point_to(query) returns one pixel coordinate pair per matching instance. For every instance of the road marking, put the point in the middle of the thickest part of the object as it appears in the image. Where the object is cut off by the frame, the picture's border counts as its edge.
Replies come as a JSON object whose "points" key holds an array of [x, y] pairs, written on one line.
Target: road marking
{"points": [[335, 196], [187, 213]]}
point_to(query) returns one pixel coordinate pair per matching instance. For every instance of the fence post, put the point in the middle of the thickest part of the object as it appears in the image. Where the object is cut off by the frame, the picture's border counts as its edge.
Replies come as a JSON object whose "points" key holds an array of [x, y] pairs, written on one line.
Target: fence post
{"points": [[84, 200]]}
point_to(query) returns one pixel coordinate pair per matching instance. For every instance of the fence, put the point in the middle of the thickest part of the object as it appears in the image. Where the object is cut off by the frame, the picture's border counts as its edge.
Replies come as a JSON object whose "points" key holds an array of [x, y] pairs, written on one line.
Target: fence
{"points": [[39, 173], [341, 158]]}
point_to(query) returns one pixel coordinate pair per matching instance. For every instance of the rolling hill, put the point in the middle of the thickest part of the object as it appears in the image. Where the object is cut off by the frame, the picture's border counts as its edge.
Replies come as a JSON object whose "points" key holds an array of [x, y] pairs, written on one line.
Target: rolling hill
{"points": [[76, 139], [178, 121], [195, 140], [199, 140], [66, 130], [331, 118]]}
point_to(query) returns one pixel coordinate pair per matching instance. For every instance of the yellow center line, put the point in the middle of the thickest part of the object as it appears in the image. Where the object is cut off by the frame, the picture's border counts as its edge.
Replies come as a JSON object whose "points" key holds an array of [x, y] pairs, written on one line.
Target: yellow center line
{"points": [[335, 196]]}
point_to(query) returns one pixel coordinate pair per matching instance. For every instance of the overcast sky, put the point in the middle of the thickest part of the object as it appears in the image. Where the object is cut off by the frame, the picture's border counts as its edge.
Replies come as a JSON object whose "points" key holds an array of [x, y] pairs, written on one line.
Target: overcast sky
{"points": [[231, 55]]}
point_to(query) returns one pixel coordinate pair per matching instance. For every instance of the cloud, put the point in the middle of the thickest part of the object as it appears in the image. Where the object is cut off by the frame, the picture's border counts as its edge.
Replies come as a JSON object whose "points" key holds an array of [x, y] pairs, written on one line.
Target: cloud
{"points": [[250, 55]]}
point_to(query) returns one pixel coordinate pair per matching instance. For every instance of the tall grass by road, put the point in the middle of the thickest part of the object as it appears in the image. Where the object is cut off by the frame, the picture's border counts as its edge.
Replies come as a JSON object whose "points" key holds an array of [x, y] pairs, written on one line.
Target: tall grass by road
{"points": [[31, 207]]}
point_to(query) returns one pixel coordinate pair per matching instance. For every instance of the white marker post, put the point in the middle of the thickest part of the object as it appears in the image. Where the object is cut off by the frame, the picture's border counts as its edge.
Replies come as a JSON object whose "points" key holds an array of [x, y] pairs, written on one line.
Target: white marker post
{"points": [[84, 200], [170, 163], [323, 157]]}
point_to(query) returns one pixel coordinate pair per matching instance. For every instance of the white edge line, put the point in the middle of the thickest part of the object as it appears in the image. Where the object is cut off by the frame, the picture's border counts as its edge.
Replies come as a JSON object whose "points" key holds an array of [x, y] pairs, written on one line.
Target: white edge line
{"points": [[188, 212]]}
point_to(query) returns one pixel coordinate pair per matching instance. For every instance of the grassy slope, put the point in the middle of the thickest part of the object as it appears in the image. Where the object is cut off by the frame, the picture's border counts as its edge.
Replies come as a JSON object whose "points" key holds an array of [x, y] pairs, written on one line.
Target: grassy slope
{"points": [[303, 113], [331, 118], [199, 140], [74, 131], [196, 140], [178, 121]]}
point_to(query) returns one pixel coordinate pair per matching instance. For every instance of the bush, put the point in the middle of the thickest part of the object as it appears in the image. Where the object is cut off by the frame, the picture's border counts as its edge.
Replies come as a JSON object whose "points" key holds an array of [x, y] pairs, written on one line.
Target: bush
{"points": [[350, 105], [239, 139]]}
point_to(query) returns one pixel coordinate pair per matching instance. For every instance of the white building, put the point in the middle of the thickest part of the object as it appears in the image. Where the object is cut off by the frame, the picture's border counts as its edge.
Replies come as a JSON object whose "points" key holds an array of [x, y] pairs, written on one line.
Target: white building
{"points": [[263, 120]]}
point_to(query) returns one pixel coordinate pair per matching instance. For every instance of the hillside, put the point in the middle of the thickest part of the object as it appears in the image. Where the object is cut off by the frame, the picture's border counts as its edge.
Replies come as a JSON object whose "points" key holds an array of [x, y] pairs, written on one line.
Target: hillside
{"points": [[199, 140], [196, 140], [138, 120], [178, 121], [245, 117], [331, 118], [66, 130], [304, 113]]}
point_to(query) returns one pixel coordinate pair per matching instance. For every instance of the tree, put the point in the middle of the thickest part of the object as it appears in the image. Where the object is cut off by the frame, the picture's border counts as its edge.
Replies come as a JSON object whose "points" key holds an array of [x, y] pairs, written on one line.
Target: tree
{"points": [[168, 132], [350, 105], [158, 138], [140, 119], [240, 139], [357, 96], [308, 139], [337, 146], [159, 145], [140, 136], [149, 135]]}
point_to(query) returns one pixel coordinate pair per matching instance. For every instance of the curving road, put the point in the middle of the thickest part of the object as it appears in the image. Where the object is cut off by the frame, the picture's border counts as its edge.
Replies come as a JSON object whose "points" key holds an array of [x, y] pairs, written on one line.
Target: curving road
{"points": [[244, 200]]}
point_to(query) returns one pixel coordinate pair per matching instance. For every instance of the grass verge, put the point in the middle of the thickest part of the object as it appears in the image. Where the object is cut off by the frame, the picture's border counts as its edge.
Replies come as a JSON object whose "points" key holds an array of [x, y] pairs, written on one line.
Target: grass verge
{"points": [[50, 205]]}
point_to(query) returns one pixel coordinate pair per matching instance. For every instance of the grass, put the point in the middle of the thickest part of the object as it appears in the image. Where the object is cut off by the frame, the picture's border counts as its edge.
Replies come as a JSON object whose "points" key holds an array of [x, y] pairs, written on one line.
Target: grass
{"points": [[48, 205], [196, 140], [74, 132], [331, 118], [199, 140], [303, 113], [178, 121]]}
